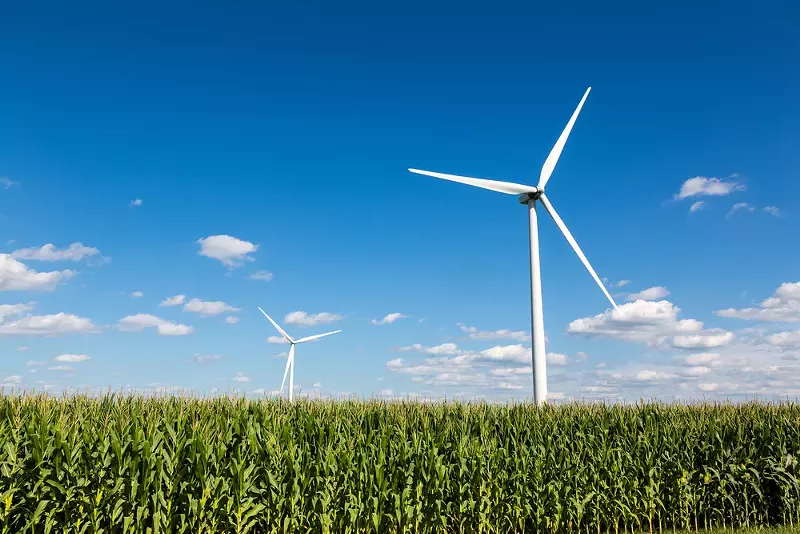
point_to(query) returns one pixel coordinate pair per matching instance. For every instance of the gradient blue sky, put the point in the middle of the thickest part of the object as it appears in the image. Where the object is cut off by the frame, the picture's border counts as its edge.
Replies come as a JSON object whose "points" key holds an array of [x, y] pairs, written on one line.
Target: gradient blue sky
{"points": [[290, 128]]}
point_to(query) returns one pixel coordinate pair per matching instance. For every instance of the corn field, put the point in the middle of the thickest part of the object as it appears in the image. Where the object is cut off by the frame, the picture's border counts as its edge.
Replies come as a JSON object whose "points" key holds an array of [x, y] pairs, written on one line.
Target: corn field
{"points": [[134, 464]]}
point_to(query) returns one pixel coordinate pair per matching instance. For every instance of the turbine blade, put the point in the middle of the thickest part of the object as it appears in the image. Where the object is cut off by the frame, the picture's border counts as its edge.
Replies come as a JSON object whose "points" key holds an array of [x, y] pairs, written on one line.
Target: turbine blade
{"points": [[309, 338], [508, 188], [552, 159], [283, 333], [564, 230], [288, 363]]}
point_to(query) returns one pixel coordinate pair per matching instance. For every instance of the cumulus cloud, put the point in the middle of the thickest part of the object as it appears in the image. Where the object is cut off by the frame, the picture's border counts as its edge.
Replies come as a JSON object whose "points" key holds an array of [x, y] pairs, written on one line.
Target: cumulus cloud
{"points": [[16, 276], [241, 377], [136, 203], [707, 340], [264, 276], [474, 333], [554, 358], [387, 393], [277, 340], [772, 210], [49, 252], [305, 319], [231, 319], [652, 293], [62, 368], [389, 319], [782, 306], [43, 325], [785, 339], [141, 321], [72, 358], [622, 283], [232, 252], [177, 300], [697, 206], [137, 294], [703, 186], [654, 323], [703, 358], [208, 308]]}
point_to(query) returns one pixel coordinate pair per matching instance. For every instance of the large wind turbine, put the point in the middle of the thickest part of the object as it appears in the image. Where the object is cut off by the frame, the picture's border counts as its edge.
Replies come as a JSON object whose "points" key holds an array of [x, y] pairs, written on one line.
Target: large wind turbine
{"points": [[530, 195], [290, 360]]}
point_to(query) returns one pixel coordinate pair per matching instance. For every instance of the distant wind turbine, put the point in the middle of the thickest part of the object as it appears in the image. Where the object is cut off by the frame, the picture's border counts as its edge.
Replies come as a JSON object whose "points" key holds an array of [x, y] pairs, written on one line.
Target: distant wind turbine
{"points": [[529, 195], [290, 360]]}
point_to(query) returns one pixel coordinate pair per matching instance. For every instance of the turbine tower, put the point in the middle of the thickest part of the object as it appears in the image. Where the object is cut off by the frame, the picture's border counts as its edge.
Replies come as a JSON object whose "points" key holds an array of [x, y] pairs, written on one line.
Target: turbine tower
{"points": [[290, 360], [531, 195]]}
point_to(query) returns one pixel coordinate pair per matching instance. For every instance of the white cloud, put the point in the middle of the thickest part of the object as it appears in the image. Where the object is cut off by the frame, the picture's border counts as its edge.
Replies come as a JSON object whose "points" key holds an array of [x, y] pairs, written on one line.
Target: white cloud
{"points": [[512, 371], [474, 333], [232, 252], [277, 340], [654, 323], [12, 310], [34, 363], [740, 206], [205, 358], [316, 385], [697, 206], [137, 294], [137, 323], [22, 349], [708, 386], [72, 358], [554, 358], [265, 276], [697, 370], [704, 358], [782, 306], [702, 186], [12, 380], [387, 393], [304, 319], [241, 377], [208, 308], [48, 325], [48, 252], [772, 210], [136, 202], [177, 300], [785, 339], [389, 319], [708, 340], [652, 293], [62, 368], [231, 319], [16, 276], [508, 386], [622, 283]]}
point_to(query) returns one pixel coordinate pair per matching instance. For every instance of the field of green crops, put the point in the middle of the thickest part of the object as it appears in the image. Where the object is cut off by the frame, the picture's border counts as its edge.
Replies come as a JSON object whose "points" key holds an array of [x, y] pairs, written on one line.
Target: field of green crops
{"points": [[133, 464]]}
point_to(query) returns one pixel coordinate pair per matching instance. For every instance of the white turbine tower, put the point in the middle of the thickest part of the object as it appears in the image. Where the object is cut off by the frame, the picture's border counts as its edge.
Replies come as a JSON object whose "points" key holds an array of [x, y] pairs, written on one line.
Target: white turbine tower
{"points": [[290, 360], [530, 195]]}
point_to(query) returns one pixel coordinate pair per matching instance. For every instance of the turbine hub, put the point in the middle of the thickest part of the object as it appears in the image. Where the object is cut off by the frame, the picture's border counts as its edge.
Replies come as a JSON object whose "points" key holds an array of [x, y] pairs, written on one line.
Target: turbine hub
{"points": [[533, 195]]}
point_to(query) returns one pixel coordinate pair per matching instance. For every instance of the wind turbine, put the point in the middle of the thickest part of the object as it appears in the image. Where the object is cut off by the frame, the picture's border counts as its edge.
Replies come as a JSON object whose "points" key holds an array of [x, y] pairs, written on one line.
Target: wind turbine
{"points": [[530, 195], [290, 360]]}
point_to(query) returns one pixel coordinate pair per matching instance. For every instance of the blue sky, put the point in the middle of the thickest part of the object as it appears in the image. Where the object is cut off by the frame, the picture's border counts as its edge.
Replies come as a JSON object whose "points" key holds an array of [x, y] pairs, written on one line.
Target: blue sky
{"points": [[289, 130]]}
